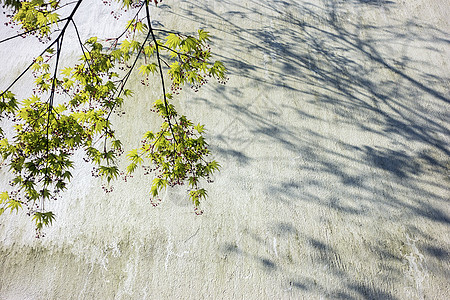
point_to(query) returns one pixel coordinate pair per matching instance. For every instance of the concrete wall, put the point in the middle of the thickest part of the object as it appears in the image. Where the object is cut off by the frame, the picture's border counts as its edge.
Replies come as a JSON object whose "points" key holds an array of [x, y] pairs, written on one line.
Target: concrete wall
{"points": [[333, 135]]}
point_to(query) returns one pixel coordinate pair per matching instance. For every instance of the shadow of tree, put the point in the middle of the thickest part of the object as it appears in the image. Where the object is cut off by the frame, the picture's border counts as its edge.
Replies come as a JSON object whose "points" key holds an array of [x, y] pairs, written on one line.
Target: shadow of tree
{"points": [[340, 111]]}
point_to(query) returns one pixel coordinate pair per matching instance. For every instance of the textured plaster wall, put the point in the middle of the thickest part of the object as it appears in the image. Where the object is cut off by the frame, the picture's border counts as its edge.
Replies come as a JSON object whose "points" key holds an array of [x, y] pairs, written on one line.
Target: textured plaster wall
{"points": [[333, 135]]}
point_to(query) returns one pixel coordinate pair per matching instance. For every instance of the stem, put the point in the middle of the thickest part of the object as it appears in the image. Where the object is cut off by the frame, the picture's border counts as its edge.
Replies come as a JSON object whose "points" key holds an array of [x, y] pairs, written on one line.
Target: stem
{"points": [[29, 31], [50, 107], [81, 45], [126, 29], [160, 70], [55, 41]]}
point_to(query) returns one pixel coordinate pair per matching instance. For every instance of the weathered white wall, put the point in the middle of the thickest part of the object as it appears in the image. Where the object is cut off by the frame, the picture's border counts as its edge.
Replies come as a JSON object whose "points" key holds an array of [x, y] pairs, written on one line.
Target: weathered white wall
{"points": [[333, 135]]}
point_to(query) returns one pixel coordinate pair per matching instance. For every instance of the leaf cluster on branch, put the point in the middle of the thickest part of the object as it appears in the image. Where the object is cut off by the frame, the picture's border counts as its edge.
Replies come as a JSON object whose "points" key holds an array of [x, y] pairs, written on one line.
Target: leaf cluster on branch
{"points": [[70, 107]]}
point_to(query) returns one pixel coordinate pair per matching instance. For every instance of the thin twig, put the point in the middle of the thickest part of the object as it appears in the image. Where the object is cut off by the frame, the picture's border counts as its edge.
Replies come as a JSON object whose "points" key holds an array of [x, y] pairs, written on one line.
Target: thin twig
{"points": [[57, 39], [29, 31], [82, 46], [160, 70], [128, 26]]}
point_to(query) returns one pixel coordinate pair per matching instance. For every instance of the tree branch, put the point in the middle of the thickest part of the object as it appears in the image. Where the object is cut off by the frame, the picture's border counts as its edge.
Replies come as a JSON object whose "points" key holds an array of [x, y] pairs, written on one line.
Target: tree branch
{"points": [[160, 69], [29, 31], [56, 40]]}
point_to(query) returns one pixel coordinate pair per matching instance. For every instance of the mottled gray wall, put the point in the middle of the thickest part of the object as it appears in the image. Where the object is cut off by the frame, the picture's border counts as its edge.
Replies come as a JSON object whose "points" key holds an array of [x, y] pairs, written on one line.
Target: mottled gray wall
{"points": [[333, 135]]}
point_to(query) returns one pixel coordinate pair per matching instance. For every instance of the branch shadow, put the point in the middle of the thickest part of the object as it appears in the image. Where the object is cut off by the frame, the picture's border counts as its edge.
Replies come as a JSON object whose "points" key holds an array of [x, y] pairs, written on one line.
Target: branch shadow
{"points": [[339, 117]]}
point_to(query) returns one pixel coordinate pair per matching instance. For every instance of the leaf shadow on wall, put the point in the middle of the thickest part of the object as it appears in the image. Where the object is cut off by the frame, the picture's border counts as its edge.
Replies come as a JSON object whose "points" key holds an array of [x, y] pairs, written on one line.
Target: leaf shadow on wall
{"points": [[334, 73]]}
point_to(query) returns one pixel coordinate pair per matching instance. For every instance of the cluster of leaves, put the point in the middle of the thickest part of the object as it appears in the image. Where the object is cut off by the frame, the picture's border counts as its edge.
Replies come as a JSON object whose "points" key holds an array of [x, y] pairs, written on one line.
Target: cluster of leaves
{"points": [[48, 133], [37, 14], [178, 152], [192, 57], [35, 17], [15, 4]]}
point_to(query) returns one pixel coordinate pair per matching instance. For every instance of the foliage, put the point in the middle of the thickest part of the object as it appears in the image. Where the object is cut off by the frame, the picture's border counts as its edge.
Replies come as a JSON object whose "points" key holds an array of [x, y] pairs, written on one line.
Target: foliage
{"points": [[70, 107], [15, 4]]}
